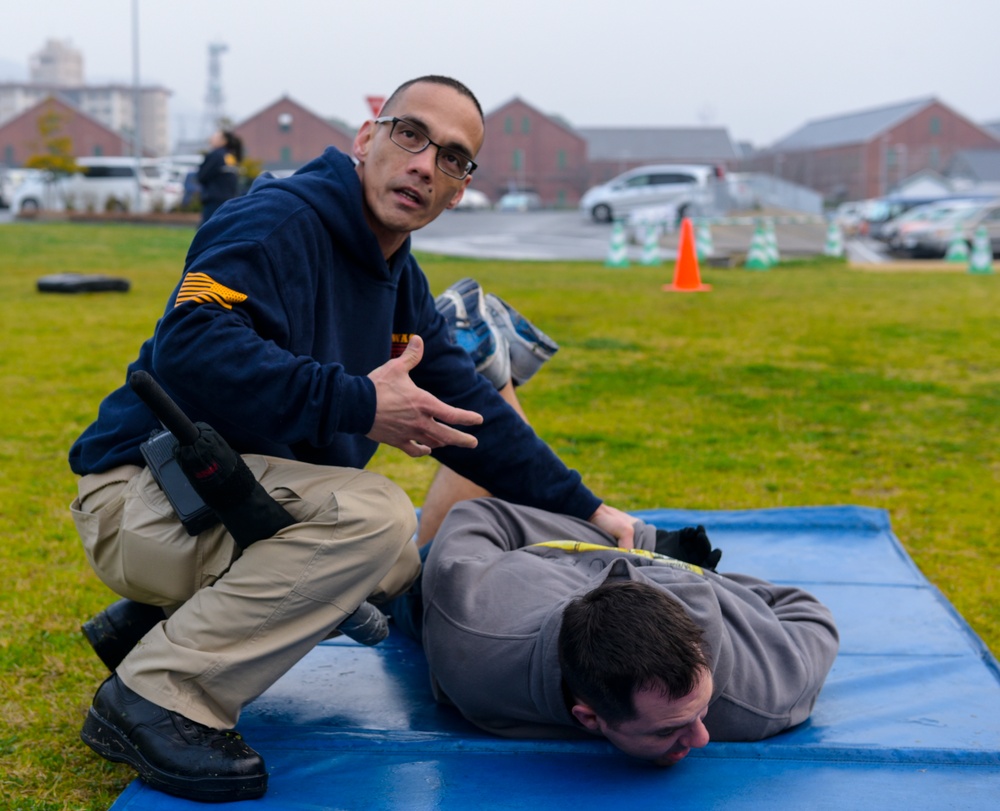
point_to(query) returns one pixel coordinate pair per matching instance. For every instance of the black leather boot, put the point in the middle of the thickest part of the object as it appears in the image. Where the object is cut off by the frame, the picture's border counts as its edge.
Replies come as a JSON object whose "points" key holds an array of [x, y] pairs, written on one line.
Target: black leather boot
{"points": [[119, 627], [170, 752]]}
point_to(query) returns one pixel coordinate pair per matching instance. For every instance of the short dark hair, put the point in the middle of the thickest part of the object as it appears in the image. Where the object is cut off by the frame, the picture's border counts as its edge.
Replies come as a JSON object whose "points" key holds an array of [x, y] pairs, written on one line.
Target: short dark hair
{"points": [[234, 144], [626, 636], [447, 81]]}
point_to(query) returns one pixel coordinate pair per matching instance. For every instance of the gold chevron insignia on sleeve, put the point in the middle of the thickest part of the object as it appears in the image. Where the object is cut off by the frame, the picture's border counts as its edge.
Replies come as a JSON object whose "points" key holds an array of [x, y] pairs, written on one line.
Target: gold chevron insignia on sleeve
{"points": [[203, 289]]}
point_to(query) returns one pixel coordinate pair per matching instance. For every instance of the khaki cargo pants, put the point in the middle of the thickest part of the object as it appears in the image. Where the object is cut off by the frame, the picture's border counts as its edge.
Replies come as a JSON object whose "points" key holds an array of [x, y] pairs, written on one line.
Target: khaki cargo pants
{"points": [[239, 621]]}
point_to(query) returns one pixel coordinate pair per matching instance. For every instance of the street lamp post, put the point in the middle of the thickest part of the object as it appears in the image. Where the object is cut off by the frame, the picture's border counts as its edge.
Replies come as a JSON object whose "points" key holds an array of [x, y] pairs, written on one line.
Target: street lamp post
{"points": [[136, 116]]}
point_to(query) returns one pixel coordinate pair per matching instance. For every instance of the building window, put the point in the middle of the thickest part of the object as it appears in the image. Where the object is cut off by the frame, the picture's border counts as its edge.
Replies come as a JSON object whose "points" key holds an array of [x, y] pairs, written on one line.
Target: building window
{"points": [[935, 125], [561, 158], [526, 125], [285, 122], [508, 125], [8, 155], [935, 157], [561, 198], [518, 160], [98, 151], [286, 154]]}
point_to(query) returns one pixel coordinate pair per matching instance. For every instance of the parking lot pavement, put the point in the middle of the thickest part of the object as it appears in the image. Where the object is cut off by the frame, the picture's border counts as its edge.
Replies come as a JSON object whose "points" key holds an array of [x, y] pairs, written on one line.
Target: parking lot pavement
{"points": [[543, 235], [565, 235], [862, 250]]}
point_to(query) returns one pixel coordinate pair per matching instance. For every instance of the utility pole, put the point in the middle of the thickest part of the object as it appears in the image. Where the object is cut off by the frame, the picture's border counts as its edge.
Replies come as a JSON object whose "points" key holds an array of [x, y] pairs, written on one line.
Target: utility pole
{"points": [[214, 98], [136, 111]]}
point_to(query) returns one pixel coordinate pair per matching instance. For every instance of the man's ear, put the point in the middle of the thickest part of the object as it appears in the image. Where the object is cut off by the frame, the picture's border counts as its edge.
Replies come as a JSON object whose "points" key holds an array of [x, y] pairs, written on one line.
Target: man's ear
{"points": [[458, 195], [363, 139], [586, 716]]}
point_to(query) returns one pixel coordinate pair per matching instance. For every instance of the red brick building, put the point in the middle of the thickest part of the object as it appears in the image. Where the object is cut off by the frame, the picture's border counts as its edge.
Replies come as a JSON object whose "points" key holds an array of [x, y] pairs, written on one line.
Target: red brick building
{"points": [[527, 149], [285, 135], [21, 137], [866, 154]]}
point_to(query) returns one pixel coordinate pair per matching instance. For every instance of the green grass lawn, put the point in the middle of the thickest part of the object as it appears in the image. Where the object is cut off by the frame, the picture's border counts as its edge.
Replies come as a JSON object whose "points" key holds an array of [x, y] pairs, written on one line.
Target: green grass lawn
{"points": [[810, 384]]}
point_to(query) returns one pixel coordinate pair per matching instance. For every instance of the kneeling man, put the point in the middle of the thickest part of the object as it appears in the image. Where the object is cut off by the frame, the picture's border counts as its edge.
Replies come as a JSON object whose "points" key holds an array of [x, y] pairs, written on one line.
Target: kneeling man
{"points": [[537, 625]]}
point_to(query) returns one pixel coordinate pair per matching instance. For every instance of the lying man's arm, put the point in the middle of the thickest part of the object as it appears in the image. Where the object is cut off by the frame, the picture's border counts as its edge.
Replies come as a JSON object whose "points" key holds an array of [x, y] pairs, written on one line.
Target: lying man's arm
{"points": [[784, 642]]}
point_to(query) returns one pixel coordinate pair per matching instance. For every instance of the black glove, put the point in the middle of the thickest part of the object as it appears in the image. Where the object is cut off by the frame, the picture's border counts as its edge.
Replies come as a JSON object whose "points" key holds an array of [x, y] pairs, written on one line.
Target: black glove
{"points": [[220, 476], [690, 544]]}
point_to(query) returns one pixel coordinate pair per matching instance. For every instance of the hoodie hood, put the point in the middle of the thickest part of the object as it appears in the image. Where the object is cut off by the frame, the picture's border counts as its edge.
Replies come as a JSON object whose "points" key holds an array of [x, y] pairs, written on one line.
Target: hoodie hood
{"points": [[329, 185]]}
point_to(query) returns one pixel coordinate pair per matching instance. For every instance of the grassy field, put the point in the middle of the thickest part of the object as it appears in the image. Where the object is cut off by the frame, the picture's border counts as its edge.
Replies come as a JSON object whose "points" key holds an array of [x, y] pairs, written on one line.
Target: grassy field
{"points": [[810, 384]]}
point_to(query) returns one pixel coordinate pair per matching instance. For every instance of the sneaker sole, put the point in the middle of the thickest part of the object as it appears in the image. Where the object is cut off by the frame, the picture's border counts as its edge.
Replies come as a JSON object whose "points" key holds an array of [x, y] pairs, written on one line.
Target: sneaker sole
{"points": [[526, 356], [473, 315], [113, 744]]}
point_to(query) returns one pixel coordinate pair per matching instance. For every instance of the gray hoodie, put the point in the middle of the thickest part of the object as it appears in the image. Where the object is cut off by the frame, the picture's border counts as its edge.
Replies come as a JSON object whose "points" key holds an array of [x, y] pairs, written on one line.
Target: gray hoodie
{"points": [[493, 609]]}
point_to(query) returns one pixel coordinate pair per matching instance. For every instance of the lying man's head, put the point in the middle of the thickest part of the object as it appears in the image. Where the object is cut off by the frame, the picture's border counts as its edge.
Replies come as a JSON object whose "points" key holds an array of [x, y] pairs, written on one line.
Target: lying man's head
{"points": [[634, 664]]}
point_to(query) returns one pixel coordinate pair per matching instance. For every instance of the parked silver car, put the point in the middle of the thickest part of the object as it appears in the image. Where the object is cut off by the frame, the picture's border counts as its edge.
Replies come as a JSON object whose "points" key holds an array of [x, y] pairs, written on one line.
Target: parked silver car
{"points": [[678, 185]]}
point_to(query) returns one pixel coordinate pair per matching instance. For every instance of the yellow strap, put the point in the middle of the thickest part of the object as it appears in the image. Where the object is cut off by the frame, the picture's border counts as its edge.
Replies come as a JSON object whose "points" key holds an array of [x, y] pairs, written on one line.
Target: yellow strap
{"points": [[656, 557]]}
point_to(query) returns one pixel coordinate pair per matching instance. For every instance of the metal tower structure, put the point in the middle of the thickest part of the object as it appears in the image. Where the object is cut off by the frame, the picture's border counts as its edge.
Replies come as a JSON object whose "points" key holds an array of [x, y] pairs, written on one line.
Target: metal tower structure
{"points": [[214, 98]]}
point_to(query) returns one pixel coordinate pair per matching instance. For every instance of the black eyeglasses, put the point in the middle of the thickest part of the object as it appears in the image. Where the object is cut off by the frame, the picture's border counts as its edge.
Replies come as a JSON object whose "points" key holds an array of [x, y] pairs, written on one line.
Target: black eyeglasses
{"points": [[413, 139]]}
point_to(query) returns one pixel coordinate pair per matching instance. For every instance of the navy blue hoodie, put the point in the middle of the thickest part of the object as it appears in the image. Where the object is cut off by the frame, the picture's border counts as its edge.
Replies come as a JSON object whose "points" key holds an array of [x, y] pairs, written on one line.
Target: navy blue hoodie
{"points": [[285, 305]]}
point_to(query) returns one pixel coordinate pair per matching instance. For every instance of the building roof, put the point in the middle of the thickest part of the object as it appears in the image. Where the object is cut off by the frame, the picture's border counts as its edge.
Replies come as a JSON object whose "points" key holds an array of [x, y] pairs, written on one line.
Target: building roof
{"points": [[55, 101], [66, 105], [992, 127], [554, 118], [78, 89], [709, 144], [288, 101], [850, 128], [982, 165]]}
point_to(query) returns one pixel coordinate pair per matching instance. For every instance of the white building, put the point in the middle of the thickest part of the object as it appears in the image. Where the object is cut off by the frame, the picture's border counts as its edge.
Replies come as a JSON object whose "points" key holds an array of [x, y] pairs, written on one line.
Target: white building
{"points": [[57, 70], [58, 63]]}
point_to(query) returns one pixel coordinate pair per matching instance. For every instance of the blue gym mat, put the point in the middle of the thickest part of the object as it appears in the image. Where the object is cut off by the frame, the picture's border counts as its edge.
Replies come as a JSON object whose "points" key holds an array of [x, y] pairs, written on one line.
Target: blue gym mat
{"points": [[909, 717]]}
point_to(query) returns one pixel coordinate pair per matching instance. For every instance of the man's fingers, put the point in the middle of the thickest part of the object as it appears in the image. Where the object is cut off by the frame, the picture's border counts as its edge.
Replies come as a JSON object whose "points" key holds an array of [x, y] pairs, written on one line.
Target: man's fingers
{"points": [[456, 416], [627, 540], [413, 353], [415, 449], [445, 435], [620, 525]]}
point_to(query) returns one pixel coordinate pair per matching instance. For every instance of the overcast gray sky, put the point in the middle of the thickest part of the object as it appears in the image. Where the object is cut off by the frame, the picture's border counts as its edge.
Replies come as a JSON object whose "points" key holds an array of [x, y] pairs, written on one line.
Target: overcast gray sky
{"points": [[758, 68]]}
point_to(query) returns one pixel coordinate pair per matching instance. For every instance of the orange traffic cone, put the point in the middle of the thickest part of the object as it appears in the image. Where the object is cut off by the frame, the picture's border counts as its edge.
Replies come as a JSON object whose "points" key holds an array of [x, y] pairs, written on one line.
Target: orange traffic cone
{"points": [[686, 276]]}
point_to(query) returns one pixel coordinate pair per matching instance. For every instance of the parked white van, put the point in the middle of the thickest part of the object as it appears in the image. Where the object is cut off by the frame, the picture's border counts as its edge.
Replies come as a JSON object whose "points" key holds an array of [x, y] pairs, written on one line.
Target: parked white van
{"points": [[680, 186], [102, 184]]}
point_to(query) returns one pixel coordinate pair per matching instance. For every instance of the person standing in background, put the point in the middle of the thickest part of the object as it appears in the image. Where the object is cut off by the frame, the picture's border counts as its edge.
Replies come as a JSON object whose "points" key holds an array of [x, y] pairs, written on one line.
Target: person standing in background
{"points": [[219, 173]]}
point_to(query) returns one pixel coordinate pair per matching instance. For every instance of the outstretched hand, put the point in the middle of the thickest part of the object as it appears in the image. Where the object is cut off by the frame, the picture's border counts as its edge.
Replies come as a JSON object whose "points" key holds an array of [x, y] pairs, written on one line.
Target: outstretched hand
{"points": [[619, 524], [411, 419]]}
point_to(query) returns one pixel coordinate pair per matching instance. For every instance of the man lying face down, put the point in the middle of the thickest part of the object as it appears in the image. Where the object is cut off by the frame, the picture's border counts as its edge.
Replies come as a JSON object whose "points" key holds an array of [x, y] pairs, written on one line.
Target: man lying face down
{"points": [[536, 625]]}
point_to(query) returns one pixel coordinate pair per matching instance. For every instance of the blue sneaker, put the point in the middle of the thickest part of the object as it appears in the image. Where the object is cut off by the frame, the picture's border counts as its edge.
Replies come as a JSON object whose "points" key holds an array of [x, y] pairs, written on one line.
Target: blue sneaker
{"points": [[471, 327], [529, 346]]}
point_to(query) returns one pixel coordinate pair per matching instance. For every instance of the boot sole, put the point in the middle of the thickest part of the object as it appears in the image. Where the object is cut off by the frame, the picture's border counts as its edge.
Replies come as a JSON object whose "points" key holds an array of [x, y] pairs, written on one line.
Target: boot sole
{"points": [[113, 744]]}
